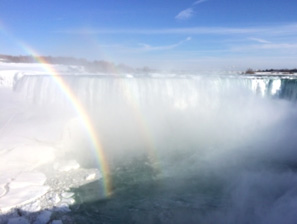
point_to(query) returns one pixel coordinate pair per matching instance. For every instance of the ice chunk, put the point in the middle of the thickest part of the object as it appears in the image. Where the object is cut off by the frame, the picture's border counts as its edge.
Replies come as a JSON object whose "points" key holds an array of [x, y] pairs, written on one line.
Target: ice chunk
{"points": [[91, 176], [67, 194], [68, 201], [72, 179]]}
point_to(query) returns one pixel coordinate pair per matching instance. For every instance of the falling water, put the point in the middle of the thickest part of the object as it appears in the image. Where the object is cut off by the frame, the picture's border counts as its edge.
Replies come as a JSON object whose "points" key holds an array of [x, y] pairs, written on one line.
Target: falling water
{"points": [[188, 149]]}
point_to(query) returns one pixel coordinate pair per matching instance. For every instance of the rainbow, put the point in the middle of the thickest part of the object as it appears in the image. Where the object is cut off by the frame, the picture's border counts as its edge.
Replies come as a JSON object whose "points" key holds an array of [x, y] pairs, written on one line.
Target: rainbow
{"points": [[83, 114]]}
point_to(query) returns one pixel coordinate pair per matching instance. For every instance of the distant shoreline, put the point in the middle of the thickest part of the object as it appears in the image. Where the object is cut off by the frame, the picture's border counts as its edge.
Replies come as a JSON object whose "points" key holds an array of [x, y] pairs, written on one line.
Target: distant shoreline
{"points": [[277, 71]]}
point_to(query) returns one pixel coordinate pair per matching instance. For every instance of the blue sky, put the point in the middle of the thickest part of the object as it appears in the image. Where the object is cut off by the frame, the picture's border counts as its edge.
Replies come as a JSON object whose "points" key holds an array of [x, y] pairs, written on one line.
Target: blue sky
{"points": [[167, 34]]}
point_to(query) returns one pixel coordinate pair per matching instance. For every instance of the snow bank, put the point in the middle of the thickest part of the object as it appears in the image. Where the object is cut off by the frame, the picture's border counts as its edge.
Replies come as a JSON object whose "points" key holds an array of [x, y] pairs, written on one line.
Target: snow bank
{"points": [[21, 196]]}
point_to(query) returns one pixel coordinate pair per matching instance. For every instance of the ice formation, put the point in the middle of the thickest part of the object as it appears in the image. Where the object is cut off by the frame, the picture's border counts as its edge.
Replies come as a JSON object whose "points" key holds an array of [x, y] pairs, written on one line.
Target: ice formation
{"points": [[34, 183]]}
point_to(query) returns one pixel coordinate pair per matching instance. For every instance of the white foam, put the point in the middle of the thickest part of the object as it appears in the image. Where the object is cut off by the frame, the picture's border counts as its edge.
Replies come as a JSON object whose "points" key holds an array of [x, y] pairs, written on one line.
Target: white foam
{"points": [[276, 86]]}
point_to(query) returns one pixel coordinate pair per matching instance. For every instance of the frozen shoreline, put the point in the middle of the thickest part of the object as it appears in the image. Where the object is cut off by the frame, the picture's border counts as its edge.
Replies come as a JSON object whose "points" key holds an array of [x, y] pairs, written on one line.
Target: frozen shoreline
{"points": [[32, 180], [29, 142]]}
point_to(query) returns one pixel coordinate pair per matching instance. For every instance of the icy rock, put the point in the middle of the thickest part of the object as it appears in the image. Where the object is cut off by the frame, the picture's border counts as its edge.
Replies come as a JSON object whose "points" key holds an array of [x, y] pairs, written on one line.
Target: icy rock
{"points": [[18, 220], [20, 196], [66, 166], [43, 217], [67, 194], [56, 222], [27, 179]]}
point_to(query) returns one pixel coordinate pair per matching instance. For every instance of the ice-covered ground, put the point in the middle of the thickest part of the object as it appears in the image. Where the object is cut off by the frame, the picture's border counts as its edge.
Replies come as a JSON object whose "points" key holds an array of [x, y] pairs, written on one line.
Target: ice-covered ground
{"points": [[34, 184]]}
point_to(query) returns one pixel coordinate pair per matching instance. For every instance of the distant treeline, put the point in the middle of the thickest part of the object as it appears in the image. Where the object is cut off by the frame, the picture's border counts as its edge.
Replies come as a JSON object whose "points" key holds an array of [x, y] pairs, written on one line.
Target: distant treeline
{"points": [[289, 71], [90, 66], [284, 71]]}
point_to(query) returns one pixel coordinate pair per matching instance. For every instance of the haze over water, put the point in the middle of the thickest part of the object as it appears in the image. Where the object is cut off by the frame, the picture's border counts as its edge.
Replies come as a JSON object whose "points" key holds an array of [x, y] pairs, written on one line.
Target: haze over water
{"points": [[206, 149]]}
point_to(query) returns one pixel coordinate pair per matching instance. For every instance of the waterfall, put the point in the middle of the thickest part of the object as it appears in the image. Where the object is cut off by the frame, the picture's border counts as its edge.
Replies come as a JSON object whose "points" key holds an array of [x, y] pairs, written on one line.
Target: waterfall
{"points": [[199, 147], [179, 93]]}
